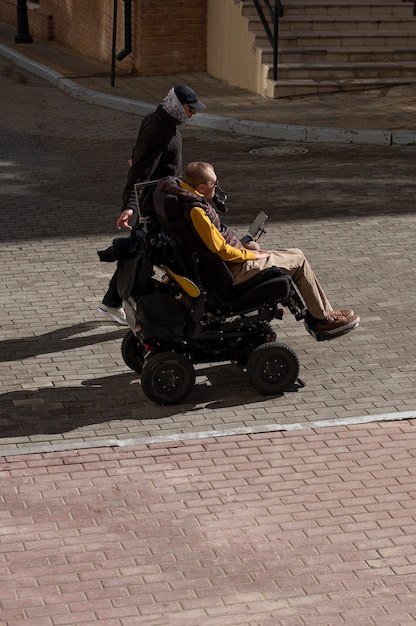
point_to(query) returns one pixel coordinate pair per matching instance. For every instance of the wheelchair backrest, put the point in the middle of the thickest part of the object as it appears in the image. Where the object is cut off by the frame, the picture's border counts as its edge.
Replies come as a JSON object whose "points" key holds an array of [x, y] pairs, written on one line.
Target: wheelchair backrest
{"points": [[202, 265], [167, 206]]}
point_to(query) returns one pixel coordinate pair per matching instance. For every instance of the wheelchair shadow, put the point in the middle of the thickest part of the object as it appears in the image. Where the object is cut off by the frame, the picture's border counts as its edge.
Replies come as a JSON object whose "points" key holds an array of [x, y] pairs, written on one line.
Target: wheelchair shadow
{"points": [[230, 381], [67, 338], [58, 410]]}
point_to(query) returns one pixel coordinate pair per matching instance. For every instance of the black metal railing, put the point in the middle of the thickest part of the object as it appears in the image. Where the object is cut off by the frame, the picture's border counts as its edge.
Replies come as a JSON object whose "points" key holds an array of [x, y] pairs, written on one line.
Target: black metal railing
{"points": [[127, 37], [270, 12]]}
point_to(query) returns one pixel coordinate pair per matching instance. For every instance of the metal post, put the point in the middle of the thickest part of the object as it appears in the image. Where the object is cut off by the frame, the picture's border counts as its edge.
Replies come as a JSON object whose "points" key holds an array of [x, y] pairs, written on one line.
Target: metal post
{"points": [[113, 48], [23, 35], [275, 38]]}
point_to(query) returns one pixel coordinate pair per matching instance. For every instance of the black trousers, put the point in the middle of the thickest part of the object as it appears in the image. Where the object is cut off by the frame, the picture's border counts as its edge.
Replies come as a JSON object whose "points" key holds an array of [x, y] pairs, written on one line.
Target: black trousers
{"points": [[111, 297]]}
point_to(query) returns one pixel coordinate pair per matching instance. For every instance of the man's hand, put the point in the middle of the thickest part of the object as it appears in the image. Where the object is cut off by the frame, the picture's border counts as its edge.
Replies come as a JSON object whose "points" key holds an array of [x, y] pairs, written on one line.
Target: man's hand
{"points": [[252, 245], [123, 220]]}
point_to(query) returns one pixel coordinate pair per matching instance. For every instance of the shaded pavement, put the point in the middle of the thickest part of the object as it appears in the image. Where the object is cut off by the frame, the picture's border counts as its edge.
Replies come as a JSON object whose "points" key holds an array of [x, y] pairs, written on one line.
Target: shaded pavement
{"points": [[379, 116], [230, 508]]}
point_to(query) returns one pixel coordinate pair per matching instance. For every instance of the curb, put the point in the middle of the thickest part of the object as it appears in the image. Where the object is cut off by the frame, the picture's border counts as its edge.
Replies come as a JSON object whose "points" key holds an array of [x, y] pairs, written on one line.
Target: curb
{"points": [[55, 446], [268, 130]]}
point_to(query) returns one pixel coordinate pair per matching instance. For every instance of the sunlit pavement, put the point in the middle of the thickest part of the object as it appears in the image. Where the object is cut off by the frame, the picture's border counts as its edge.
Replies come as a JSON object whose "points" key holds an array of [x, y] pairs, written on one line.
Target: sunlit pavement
{"points": [[231, 508]]}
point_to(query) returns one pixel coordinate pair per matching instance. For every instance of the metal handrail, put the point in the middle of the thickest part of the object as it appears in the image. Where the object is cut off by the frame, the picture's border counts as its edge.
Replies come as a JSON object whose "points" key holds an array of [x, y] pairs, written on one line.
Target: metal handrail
{"points": [[275, 11], [127, 37], [127, 31]]}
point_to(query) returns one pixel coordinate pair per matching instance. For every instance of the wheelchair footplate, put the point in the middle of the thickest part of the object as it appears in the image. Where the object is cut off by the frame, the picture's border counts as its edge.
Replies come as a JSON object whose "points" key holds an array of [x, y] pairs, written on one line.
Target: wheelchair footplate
{"points": [[328, 336]]}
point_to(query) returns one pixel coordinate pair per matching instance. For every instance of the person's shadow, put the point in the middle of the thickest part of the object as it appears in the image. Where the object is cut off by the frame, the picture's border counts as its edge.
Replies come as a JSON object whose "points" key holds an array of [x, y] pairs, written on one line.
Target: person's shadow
{"points": [[52, 410], [67, 338]]}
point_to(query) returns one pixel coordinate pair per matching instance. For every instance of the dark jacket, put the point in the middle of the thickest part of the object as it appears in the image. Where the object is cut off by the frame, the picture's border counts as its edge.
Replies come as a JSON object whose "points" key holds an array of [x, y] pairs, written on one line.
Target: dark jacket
{"points": [[157, 153]]}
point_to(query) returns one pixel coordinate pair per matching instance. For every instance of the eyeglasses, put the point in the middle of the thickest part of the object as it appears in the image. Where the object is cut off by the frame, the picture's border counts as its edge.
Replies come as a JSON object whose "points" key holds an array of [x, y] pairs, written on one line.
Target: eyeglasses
{"points": [[214, 183], [190, 108]]}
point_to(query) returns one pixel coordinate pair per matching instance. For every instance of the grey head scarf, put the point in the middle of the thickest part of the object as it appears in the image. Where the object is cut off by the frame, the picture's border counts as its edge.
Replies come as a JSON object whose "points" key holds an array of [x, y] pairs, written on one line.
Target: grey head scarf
{"points": [[173, 106]]}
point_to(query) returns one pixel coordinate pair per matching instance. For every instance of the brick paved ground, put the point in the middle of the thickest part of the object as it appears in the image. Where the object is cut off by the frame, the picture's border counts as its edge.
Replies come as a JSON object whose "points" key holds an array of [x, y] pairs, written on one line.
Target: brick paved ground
{"points": [[311, 528], [63, 381], [297, 528]]}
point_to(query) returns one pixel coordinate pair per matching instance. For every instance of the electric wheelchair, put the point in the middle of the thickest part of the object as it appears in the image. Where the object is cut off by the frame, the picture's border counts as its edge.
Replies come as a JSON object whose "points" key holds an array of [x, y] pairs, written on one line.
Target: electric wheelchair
{"points": [[182, 310]]}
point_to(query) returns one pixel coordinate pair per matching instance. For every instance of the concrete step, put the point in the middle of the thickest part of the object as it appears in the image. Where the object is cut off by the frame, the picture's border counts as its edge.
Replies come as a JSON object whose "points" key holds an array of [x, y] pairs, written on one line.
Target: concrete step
{"points": [[347, 39], [376, 9], [291, 88], [320, 7], [329, 45], [335, 23], [340, 71], [341, 55]]}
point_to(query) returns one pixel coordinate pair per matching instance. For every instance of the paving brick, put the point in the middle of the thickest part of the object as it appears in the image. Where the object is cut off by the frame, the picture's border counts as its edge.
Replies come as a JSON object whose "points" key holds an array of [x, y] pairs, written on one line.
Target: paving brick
{"points": [[55, 351], [312, 526], [288, 562]]}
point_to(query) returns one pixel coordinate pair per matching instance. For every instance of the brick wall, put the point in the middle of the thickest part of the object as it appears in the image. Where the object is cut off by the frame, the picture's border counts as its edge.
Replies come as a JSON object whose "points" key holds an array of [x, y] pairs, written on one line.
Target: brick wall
{"points": [[40, 21], [168, 36], [171, 36], [84, 26], [8, 12]]}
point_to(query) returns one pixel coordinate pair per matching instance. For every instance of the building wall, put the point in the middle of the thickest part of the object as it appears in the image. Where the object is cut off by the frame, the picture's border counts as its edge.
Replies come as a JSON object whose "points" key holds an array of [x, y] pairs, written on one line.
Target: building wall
{"points": [[171, 36], [84, 26], [168, 36], [231, 55]]}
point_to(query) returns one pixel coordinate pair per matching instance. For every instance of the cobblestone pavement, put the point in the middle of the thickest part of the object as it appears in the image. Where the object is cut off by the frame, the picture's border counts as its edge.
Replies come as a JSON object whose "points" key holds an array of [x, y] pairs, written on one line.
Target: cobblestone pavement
{"points": [[63, 381], [163, 520], [311, 528]]}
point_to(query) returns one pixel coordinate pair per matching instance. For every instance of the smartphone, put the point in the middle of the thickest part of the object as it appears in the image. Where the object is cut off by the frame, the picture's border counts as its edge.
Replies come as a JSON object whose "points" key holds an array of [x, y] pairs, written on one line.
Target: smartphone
{"points": [[257, 225]]}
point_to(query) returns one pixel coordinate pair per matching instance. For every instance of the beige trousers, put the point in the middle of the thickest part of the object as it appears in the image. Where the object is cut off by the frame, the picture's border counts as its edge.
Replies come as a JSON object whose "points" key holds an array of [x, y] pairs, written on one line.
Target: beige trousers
{"points": [[291, 261]]}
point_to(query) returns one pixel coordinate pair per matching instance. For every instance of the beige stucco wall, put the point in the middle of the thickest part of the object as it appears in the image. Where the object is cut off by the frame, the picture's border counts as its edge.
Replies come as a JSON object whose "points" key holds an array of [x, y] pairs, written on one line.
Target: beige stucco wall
{"points": [[231, 55]]}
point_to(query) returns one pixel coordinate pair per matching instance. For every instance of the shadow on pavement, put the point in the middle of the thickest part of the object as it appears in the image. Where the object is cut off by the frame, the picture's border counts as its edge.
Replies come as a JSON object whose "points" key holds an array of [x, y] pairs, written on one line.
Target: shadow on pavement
{"points": [[63, 409], [55, 341]]}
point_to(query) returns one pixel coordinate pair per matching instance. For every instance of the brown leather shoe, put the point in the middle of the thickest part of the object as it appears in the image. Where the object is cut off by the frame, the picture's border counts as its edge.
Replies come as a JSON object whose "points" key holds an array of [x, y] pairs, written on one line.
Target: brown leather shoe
{"points": [[344, 312], [336, 324]]}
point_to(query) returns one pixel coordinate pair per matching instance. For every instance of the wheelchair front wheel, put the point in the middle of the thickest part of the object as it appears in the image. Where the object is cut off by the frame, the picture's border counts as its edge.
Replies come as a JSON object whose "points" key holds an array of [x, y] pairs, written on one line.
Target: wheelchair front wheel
{"points": [[167, 378], [272, 368], [133, 352]]}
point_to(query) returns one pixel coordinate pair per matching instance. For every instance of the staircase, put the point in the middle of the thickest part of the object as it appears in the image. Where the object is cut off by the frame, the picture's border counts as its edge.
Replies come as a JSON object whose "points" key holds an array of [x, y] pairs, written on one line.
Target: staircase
{"points": [[331, 45]]}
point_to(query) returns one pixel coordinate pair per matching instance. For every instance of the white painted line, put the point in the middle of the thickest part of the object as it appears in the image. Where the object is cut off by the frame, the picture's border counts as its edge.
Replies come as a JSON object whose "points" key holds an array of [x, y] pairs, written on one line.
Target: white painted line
{"points": [[206, 434]]}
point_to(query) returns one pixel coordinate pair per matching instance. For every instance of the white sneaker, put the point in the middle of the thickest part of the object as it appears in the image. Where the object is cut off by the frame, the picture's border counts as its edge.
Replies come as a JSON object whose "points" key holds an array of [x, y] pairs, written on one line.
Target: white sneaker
{"points": [[115, 314]]}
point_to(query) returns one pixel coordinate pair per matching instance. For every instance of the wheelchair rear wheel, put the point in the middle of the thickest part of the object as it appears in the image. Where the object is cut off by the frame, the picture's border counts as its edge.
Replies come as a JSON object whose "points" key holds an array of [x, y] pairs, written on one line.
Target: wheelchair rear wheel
{"points": [[133, 352], [272, 368], [167, 378]]}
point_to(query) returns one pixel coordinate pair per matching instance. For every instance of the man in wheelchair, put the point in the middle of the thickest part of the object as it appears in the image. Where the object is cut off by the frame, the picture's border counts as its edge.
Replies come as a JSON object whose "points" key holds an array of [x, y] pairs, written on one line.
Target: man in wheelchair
{"points": [[193, 293], [199, 180]]}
